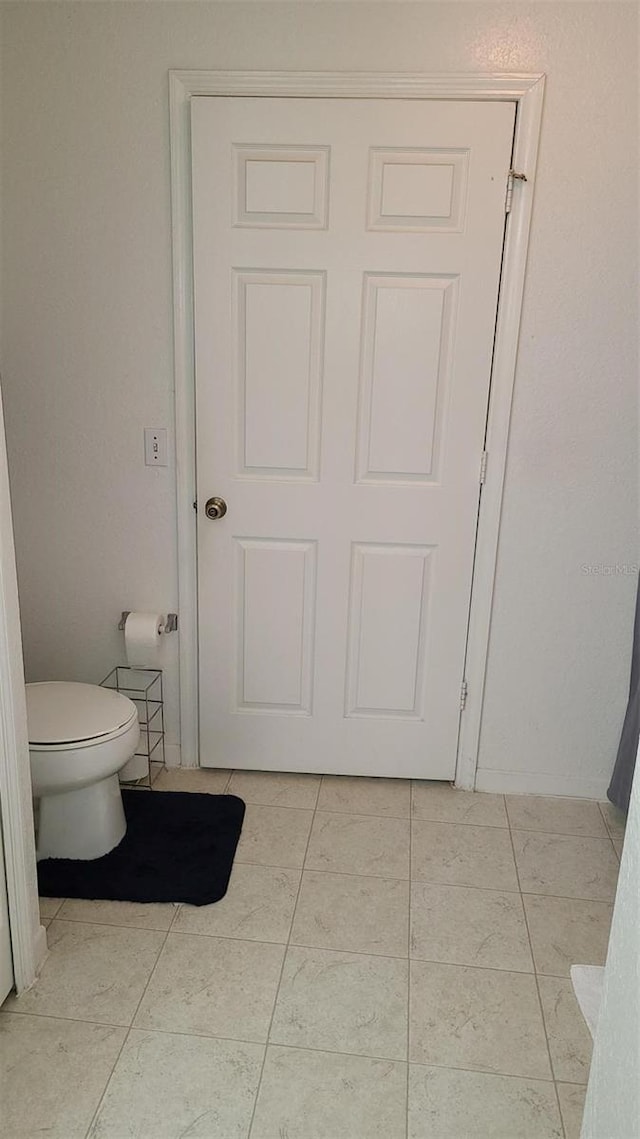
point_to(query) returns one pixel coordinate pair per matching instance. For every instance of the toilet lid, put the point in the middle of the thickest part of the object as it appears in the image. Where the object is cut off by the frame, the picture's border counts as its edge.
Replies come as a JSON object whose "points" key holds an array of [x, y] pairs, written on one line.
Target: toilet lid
{"points": [[60, 712]]}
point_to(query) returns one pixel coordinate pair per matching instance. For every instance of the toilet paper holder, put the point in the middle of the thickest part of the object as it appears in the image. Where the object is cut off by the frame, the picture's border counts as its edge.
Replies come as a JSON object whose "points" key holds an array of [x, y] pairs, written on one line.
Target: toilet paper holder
{"points": [[169, 626]]}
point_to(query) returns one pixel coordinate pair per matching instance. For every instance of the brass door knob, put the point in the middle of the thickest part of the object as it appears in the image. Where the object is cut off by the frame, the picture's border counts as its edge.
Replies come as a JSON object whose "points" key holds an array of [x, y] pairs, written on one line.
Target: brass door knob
{"points": [[215, 508]]}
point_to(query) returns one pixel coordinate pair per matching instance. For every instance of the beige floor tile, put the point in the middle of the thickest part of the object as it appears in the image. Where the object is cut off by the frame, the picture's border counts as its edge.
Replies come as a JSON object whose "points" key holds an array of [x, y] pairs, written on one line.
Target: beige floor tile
{"points": [[140, 915], [206, 780], [358, 914], [49, 908], [444, 804], [463, 926], [258, 906], [618, 844], [275, 788], [166, 1086], [561, 816], [462, 855], [572, 1097], [274, 836], [318, 1095], [445, 1104], [359, 844], [93, 972], [360, 796], [484, 1019], [342, 1002], [566, 932], [52, 1074], [569, 1038], [213, 987], [566, 866], [615, 819]]}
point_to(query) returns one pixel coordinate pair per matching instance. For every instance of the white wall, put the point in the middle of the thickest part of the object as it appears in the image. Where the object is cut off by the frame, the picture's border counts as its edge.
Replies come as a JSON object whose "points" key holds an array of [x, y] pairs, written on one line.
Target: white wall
{"points": [[88, 351], [612, 1108]]}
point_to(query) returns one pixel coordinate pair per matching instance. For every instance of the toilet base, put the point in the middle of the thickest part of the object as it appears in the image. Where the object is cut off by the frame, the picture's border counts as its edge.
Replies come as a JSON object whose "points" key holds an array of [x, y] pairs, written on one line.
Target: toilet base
{"points": [[85, 823]]}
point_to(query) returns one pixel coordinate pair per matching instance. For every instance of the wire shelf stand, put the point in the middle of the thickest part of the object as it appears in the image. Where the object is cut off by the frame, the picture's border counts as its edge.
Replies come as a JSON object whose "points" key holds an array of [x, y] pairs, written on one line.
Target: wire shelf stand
{"points": [[144, 687]]}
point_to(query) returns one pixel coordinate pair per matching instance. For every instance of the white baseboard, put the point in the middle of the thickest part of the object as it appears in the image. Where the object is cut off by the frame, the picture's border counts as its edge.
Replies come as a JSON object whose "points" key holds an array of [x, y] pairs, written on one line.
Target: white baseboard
{"points": [[534, 783], [172, 755], [502, 782]]}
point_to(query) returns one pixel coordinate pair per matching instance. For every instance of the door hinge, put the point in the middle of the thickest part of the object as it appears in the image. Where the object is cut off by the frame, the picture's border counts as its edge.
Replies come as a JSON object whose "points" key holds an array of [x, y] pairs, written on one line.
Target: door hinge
{"points": [[483, 467], [512, 177], [195, 504], [464, 689]]}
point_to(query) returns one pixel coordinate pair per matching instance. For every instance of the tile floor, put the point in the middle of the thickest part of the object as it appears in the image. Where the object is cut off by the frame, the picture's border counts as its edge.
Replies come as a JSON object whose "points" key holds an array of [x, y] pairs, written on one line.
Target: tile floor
{"points": [[391, 962]]}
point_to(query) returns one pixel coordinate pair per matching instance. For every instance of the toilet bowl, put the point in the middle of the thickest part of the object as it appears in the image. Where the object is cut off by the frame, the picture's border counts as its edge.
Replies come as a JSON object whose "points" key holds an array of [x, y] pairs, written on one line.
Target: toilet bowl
{"points": [[80, 736]]}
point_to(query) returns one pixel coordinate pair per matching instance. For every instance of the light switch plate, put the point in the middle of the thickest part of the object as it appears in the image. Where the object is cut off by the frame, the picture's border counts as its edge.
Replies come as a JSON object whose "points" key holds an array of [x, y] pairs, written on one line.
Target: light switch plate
{"points": [[155, 446]]}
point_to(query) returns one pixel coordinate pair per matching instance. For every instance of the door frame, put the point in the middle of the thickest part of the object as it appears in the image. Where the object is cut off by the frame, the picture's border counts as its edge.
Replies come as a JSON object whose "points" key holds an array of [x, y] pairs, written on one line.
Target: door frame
{"points": [[28, 937], [527, 91]]}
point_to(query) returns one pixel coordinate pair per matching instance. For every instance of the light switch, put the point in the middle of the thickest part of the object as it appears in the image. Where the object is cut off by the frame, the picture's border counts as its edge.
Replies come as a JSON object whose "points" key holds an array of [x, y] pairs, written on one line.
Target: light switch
{"points": [[155, 446]]}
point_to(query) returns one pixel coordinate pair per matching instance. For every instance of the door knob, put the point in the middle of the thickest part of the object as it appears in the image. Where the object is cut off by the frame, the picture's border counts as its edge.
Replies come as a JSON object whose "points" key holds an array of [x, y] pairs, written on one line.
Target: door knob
{"points": [[215, 508]]}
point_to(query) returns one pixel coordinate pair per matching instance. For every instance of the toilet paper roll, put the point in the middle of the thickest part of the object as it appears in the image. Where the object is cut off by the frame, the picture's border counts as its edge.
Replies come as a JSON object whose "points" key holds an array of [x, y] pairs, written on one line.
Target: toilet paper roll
{"points": [[142, 639]]}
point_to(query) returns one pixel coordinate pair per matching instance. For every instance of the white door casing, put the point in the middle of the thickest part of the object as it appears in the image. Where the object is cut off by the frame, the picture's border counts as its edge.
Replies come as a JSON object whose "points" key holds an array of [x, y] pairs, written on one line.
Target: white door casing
{"points": [[346, 262], [18, 874], [6, 957]]}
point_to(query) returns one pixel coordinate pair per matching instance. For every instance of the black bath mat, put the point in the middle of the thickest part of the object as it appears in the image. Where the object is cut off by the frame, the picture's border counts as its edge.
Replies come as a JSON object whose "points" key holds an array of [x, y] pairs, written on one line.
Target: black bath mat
{"points": [[179, 847]]}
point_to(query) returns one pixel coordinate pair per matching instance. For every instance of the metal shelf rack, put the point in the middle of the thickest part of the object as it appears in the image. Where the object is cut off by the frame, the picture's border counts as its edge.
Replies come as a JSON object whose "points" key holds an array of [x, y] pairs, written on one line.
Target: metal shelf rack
{"points": [[144, 687]]}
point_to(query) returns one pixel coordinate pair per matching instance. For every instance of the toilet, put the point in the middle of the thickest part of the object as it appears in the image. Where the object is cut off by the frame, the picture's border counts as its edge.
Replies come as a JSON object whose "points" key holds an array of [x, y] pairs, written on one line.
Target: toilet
{"points": [[80, 736]]}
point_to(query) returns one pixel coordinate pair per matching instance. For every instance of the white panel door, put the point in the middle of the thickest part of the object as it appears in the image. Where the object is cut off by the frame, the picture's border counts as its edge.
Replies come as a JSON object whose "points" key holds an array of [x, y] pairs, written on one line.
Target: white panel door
{"points": [[346, 261]]}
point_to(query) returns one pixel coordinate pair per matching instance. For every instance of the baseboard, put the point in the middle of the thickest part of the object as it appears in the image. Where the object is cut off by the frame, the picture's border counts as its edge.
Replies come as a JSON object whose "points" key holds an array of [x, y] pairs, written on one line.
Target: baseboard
{"points": [[534, 783], [503, 782], [172, 755]]}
